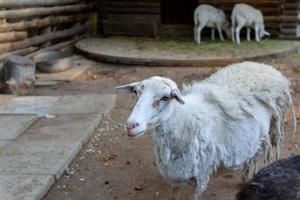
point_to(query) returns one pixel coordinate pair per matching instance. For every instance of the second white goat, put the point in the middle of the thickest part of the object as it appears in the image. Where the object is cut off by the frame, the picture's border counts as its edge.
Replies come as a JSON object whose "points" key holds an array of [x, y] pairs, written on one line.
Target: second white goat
{"points": [[244, 15], [209, 16]]}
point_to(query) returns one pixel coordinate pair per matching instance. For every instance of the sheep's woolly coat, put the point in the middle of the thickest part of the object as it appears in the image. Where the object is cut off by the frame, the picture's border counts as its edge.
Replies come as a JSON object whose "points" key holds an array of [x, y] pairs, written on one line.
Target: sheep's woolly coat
{"points": [[237, 86], [227, 120]]}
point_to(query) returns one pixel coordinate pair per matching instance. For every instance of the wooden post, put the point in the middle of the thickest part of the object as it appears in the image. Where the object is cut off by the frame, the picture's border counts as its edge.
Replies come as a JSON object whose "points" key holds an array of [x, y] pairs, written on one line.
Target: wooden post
{"points": [[18, 75]]}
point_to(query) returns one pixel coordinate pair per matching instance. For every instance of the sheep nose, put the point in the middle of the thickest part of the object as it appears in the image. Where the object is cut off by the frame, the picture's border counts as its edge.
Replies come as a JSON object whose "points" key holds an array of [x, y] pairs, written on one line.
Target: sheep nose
{"points": [[131, 125]]}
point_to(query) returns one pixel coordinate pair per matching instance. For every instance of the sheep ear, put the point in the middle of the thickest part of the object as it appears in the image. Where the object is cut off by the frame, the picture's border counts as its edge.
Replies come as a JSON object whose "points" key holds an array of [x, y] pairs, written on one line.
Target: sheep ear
{"points": [[128, 88], [177, 95], [267, 33]]}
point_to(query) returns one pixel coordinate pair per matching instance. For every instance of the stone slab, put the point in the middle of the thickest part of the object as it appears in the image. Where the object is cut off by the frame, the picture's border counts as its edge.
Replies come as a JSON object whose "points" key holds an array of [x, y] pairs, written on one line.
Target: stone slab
{"points": [[81, 104], [40, 83], [48, 146], [11, 126], [28, 187], [68, 75], [3, 144], [5, 98], [28, 105]]}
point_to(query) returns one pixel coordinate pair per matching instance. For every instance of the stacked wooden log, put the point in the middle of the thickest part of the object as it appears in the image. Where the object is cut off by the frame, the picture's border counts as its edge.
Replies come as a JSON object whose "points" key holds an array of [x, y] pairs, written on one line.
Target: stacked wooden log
{"points": [[37, 29], [290, 25], [28, 25], [272, 10]]}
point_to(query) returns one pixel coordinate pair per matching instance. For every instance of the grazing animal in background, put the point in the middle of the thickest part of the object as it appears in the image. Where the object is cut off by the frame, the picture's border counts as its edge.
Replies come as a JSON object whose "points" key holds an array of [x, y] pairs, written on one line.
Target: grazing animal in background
{"points": [[209, 16], [244, 15], [278, 181], [228, 120]]}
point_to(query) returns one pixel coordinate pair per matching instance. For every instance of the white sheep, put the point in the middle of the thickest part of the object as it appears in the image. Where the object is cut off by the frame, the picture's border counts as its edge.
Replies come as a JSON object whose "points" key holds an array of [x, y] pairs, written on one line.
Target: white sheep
{"points": [[227, 120], [244, 15], [209, 16]]}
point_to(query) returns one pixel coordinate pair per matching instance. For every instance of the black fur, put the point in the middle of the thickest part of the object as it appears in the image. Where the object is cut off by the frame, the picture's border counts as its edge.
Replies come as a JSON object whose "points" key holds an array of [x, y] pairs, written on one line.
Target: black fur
{"points": [[278, 181]]}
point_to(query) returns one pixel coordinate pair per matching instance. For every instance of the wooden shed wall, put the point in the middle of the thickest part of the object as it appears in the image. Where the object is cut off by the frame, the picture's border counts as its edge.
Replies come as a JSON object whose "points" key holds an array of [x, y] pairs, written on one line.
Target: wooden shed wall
{"points": [[144, 17], [290, 25], [131, 17]]}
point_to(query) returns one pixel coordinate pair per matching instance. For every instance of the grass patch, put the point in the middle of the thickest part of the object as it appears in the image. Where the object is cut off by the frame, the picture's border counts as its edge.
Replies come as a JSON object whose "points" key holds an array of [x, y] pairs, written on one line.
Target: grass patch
{"points": [[207, 47]]}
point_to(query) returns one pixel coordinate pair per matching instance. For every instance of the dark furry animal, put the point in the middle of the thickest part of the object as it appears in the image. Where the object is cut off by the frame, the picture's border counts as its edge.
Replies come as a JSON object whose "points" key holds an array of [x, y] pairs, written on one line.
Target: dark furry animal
{"points": [[278, 181]]}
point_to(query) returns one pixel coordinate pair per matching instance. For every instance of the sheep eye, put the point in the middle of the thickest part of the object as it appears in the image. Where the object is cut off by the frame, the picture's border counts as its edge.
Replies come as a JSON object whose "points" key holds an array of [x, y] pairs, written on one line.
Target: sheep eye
{"points": [[165, 98], [134, 91]]}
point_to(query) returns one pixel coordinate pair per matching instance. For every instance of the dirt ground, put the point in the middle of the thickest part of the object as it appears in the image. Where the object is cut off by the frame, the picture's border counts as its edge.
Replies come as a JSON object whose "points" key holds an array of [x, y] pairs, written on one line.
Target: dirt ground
{"points": [[112, 166]]}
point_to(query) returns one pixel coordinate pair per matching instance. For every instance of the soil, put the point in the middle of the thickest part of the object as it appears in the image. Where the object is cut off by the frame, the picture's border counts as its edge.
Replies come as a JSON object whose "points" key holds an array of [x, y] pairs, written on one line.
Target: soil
{"points": [[112, 166]]}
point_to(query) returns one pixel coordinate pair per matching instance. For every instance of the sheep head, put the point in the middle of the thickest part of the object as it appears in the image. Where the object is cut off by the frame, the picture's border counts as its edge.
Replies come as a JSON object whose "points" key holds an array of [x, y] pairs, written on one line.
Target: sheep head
{"points": [[155, 100], [262, 31]]}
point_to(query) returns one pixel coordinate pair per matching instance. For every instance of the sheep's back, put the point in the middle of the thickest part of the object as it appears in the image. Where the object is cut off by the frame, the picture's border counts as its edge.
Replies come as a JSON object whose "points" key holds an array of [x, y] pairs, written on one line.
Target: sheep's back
{"points": [[248, 12], [250, 78]]}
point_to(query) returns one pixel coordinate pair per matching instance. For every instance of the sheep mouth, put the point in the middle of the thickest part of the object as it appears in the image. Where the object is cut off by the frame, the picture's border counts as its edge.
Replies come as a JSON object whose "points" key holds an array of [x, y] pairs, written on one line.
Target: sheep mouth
{"points": [[137, 134]]}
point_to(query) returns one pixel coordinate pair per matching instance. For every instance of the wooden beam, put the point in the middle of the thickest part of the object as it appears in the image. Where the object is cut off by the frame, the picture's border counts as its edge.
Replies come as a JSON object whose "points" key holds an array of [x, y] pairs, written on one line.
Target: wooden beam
{"points": [[34, 3], [40, 23], [6, 47], [13, 36], [41, 11]]}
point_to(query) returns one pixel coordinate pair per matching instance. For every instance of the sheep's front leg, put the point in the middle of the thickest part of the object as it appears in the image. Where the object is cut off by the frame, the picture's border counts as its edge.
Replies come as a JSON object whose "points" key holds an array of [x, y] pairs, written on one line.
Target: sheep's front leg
{"points": [[213, 37], [175, 193], [238, 30], [220, 33], [200, 186], [257, 34], [232, 33], [248, 34], [198, 30]]}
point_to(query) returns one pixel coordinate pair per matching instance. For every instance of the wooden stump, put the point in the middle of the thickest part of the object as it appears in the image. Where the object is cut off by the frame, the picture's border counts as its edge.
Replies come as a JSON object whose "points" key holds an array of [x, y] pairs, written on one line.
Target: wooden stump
{"points": [[18, 75]]}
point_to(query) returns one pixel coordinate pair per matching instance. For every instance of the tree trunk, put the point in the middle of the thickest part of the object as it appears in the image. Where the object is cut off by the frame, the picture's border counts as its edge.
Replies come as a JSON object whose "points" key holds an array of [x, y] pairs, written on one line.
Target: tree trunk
{"points": [[33, 3], [18, 75], [13, 36], [41, 11], [40, 23], [6, 47]]}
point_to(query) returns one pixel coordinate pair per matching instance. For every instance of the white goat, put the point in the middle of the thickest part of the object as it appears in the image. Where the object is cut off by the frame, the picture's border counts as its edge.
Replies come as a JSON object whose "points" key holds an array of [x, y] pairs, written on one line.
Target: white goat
{"points": [[209, 16], [245, 15], [226, 120]]}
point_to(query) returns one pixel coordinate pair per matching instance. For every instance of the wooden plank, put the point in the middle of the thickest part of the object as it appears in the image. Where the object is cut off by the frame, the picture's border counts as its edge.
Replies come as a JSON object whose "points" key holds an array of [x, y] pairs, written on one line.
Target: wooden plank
{"points": [[36, 40], [289, 18], [133, 10], [290, 12], [289, 25], [290, 6], [132, 4], [145, 28], [41, 11], [34, 3], [133, 17], [40, 23], [289, 31]]}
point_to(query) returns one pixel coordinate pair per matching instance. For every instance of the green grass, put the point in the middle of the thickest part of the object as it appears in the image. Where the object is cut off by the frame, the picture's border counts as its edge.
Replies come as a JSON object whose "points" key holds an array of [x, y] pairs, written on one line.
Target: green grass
{"points": [[207, 47]]}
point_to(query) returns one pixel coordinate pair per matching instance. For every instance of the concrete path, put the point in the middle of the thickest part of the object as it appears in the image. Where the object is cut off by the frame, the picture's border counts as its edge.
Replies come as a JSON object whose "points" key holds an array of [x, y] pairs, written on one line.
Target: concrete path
{"points": [[35, 148]]}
